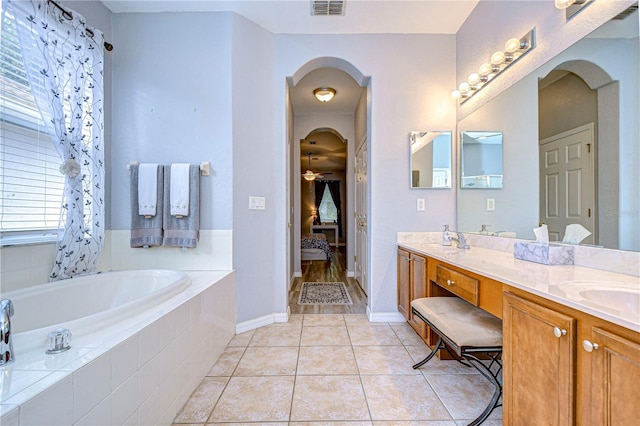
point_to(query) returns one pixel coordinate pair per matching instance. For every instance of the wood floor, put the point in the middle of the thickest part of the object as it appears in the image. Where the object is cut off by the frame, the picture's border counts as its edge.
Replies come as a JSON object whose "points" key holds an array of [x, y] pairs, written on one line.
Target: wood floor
{"points": [[328, 271]]}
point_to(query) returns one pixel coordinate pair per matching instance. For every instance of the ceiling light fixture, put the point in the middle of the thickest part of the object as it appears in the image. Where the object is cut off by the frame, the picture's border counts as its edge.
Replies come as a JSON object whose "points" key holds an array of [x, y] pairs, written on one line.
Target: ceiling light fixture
{"points": [[514, 49], [324, 94]]}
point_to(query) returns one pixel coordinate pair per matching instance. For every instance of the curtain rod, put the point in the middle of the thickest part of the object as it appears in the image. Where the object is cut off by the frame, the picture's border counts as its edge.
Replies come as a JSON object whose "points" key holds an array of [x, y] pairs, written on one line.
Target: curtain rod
{"points": [[69, 16]]}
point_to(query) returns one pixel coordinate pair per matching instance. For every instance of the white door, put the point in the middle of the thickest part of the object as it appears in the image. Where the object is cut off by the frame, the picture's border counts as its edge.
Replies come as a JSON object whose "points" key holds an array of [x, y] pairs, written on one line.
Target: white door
{"points": [[567, 185], [360, 214]]}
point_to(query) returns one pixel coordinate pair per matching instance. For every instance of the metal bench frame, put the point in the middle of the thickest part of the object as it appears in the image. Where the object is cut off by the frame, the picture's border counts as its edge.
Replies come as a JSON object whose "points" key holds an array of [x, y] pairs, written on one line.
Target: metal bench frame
{"points": [[466, 355]]}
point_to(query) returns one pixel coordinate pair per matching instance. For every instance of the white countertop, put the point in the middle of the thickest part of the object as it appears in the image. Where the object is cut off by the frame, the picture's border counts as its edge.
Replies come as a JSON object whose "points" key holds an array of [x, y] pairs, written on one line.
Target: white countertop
{"points": [[558, 283]]}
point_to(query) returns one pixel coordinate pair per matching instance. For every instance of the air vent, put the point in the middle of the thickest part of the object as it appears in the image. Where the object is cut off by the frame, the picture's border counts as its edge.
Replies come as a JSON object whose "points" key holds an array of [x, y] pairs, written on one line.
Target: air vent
{"points": [[327, 7], [626, 12]]}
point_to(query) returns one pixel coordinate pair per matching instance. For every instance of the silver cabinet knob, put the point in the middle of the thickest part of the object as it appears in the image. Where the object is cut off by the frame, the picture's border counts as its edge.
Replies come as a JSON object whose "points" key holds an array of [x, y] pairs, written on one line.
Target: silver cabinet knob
{"points": [[589, 347], [558, 332], [450, 282]]}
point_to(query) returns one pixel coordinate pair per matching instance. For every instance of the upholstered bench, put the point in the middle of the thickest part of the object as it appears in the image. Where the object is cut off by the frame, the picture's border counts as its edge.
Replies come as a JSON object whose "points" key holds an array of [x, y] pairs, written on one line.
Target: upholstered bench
{"points": [[467, 331]]}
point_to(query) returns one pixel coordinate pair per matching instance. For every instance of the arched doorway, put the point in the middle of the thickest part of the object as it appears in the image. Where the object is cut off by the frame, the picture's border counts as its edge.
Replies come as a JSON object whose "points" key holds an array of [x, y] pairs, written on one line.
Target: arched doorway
{"points": [[347, 116]]}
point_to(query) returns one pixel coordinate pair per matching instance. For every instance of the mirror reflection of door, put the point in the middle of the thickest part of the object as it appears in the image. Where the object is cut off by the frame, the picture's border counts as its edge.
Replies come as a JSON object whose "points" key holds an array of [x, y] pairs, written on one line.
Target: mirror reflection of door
{"points": [[567, 191], [568, 160]]}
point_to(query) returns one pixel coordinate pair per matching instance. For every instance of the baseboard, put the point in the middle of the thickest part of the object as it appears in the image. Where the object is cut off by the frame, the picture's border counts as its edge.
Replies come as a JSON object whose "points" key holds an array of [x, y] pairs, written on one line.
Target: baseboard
{"points": [[351, 274], [385, 316], [297, 274], [269, 319]]}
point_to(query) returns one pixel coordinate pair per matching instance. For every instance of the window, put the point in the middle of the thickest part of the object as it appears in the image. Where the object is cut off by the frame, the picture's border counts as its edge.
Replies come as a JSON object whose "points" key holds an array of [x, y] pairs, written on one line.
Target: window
{"points": [[31, 185], [328, 210]]}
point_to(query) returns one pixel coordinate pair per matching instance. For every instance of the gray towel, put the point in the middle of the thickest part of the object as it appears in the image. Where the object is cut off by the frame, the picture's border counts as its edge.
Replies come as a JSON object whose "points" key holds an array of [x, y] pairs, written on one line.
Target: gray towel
{"points": [[183, 231], [145, 232]]}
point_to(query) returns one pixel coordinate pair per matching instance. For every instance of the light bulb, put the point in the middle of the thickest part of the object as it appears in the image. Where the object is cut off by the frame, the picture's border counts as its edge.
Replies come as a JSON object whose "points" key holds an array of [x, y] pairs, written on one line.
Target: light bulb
{"points": [[485, 70], [512, 45], [456, 94], [497, 58], [474, 78], [464, 87], [563, 4]]}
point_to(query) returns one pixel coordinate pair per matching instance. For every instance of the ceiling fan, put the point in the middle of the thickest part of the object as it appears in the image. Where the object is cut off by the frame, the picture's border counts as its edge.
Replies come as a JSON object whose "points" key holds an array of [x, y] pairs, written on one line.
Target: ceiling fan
{"points": [[310, 175]]}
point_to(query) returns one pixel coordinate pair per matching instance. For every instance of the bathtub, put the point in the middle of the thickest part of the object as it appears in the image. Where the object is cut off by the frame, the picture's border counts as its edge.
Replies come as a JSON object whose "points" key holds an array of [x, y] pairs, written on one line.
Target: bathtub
{"points": [[87, 304], [141, 342]]}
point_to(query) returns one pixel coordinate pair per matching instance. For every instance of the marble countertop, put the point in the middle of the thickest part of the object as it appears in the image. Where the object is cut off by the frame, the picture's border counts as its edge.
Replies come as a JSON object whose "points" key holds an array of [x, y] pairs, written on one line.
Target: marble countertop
{"points": [[559, 283]]}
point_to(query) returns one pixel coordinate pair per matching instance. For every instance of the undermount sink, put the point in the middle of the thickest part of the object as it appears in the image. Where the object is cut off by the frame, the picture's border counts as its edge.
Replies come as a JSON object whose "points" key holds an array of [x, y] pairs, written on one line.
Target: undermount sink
{"points": [[609, 295]]}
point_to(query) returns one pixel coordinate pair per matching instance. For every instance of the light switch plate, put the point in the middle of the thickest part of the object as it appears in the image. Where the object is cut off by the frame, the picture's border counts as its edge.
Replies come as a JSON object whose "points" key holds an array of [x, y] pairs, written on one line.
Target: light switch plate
{"points": [[420, 204], [491, 204], [256, 203]]}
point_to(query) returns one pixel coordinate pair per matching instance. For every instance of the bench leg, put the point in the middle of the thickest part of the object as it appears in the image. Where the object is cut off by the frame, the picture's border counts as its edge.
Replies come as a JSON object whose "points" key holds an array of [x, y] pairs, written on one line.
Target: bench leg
{"points": [[493, 378], [440, 345]]}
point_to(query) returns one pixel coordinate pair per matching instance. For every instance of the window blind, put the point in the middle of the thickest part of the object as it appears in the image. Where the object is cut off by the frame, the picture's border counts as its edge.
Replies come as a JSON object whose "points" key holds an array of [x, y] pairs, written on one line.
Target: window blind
{"points": [[31, 185]]}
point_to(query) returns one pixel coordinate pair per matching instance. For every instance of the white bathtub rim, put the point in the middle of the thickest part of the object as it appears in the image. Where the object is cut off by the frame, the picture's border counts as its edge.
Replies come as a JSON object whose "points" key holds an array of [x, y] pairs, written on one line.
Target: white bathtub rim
{"points": [[25, 342], [82, 354]]}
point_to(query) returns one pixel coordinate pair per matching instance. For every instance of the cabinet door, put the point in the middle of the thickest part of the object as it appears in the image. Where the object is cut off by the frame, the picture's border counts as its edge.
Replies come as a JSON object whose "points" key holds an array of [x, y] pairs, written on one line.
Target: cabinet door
{"points": [[418, 290], [539, 364], [611, 385], [404, 282]]}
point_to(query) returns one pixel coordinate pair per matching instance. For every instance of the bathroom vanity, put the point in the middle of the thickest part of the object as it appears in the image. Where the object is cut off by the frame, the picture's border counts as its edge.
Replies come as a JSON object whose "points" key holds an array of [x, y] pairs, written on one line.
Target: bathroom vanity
{"points": [[571, 334]]}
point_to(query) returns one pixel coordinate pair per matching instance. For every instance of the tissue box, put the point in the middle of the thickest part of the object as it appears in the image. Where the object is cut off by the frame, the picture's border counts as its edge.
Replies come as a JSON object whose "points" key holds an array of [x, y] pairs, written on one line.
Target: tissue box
{"points": [[548, 254]]}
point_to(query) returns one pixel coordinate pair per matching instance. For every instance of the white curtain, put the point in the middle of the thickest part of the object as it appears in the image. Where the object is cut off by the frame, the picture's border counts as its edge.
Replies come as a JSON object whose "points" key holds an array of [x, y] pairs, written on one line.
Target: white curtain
{"points": [[64, 62]]}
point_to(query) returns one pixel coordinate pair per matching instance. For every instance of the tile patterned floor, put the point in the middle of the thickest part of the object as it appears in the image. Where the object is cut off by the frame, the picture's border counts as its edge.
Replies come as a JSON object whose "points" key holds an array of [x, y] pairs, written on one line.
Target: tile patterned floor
{"points": [[335, 369]]}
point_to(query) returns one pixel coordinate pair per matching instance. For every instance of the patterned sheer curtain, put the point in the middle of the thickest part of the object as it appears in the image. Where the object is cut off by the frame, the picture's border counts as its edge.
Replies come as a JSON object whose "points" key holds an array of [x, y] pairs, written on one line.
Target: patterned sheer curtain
{"points": [[64, 58]]}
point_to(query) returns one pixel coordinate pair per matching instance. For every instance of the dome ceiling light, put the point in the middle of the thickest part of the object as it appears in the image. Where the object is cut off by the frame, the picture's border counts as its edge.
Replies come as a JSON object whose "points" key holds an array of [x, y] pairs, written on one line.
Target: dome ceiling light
{"points": [[324, 94]]}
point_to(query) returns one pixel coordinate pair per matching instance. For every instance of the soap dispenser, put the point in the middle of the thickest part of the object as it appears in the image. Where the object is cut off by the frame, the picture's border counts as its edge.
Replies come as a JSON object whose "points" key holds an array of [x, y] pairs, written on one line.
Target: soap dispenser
{"points": [[446, 236]]}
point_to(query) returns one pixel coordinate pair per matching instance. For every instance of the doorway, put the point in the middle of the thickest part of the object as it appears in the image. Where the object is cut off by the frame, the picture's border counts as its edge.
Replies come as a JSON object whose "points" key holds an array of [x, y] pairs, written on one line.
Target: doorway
{"points": [[309, 120]]}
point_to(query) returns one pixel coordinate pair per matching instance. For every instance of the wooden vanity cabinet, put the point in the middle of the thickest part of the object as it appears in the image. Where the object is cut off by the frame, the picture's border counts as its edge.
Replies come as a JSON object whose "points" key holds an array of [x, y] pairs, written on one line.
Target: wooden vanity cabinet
{"points": [[609, 377], [418, 290], [412, 284], [404, 282], [554, 374], [538, 364]]}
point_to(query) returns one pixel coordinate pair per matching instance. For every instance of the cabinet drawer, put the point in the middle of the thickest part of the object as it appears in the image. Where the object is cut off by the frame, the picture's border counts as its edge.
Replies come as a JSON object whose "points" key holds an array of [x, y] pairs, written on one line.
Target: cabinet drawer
{"points": [[457, 283]]}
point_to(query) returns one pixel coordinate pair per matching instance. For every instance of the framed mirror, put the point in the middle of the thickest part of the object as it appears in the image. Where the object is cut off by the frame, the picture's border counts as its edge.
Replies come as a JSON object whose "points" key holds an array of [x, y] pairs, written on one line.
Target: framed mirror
{"points": [[430, 159], [481, 154]]}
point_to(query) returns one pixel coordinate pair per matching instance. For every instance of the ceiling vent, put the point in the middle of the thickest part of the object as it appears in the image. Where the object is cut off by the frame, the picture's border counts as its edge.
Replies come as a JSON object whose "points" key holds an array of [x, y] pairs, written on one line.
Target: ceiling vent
{"points": [[327, 7], [626, 12]]}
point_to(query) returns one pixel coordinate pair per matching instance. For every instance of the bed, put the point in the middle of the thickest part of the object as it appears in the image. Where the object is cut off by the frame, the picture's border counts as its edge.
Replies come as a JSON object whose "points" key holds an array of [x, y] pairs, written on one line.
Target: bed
{"points": [[315, 247]]}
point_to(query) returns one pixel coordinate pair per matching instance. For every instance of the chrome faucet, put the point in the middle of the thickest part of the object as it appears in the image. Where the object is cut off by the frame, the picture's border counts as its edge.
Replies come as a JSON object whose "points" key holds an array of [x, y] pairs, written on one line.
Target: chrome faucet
{"points": [[6, 345], [461, 240]]}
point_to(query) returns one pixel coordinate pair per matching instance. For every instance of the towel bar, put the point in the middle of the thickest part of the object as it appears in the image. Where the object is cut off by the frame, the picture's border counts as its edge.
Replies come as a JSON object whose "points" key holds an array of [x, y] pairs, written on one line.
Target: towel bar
{"points": [[205, 167]]}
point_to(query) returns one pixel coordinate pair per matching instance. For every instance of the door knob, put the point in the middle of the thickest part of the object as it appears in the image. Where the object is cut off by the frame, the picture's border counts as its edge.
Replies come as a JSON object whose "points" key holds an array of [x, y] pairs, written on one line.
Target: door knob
{"points": [[558, 332], [589, 347]]}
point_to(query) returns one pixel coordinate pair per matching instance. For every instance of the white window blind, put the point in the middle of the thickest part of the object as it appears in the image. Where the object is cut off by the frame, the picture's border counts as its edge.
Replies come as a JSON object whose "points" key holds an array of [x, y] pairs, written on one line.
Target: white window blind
{"points": [[31, 185]]}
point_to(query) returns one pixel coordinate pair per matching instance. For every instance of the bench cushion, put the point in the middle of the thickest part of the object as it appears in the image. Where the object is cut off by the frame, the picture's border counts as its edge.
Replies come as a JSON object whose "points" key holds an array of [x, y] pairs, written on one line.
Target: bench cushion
{"points": [[466, 325]]}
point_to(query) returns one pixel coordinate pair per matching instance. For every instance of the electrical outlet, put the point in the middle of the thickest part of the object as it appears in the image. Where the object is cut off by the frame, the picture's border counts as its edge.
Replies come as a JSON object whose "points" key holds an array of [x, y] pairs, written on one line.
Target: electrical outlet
{"points": [[491, 204], [420, 204], [256, 203]]}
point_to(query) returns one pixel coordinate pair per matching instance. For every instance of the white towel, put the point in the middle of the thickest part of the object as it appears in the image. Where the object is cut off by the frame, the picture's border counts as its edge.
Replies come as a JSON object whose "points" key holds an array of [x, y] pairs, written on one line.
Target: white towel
{"points": [[179, 189], [147, 189]]}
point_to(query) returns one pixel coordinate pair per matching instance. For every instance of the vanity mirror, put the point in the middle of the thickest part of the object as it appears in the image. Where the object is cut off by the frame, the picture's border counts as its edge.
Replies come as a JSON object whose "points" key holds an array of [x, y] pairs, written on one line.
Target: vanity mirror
{"points": [[591, 90], [430, 159], [481, 166]]}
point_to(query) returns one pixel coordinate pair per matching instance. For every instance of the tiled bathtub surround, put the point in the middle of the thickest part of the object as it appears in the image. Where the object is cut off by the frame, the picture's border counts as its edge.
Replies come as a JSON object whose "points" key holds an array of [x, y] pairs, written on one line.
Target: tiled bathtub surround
{"points": [[140, 371], [620, 261], [28, 265], [335, 369]]}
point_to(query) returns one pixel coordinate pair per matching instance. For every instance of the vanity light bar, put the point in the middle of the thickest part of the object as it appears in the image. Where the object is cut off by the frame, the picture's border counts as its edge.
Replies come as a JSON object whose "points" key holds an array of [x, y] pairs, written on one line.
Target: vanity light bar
{"points": [[514, 49]]}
